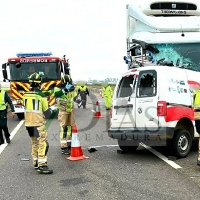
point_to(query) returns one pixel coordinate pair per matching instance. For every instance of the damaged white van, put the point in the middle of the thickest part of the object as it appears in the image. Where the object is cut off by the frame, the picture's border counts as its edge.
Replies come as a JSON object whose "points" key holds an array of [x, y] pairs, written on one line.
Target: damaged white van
{"points": [[153, 105]]}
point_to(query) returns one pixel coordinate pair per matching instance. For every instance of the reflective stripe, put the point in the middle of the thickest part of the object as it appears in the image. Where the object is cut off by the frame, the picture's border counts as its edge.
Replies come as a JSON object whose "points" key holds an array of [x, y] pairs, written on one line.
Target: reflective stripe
{"points": [[63, 141], [69, 140], [75, 141], [42, 160], [35, 159]]}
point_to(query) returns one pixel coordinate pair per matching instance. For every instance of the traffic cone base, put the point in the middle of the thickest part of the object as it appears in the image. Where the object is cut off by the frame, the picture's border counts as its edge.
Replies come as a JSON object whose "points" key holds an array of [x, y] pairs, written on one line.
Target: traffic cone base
{"points": [[98, 115]]}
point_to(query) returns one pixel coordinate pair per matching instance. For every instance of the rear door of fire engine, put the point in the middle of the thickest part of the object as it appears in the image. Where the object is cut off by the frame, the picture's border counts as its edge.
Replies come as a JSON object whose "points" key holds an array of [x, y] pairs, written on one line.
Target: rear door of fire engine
{"points": [[146, 101]]}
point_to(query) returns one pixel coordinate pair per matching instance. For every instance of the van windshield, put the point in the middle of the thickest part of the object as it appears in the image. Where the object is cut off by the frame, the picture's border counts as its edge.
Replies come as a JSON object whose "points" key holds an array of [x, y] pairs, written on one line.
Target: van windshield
{"points": [[185, 55]]}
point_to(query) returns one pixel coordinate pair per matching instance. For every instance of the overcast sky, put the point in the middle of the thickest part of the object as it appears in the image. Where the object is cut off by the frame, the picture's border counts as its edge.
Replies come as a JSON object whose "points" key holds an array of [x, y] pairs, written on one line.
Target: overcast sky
{"points": [[91, 33]]}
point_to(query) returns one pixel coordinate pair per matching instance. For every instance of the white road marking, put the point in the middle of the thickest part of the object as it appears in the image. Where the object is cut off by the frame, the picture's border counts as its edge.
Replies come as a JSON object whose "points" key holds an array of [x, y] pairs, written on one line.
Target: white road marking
{"points": [[12, 134], [101, 146], [165, 159]]}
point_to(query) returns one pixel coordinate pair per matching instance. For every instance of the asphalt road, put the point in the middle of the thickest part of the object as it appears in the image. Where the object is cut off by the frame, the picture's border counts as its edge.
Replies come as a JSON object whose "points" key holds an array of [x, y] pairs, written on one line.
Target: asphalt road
{"points": [[104, 175]]}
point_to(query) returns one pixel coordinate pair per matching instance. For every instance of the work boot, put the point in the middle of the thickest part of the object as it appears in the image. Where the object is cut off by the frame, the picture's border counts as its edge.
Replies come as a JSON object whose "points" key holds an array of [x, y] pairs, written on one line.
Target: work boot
{"points": [[198, 163], [66, 151], [44, 170], [35, 165], [8, 140]]}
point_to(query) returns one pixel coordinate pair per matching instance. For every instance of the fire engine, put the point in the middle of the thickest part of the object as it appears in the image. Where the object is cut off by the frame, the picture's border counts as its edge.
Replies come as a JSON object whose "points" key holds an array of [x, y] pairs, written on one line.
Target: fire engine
{"points": [[18, 69]]}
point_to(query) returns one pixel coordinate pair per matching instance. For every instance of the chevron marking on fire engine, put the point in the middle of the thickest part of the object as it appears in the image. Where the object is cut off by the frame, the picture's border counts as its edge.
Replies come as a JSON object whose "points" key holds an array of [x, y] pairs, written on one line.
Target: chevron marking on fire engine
{"points": [[25, 86], [13, 84], [15, 92]]}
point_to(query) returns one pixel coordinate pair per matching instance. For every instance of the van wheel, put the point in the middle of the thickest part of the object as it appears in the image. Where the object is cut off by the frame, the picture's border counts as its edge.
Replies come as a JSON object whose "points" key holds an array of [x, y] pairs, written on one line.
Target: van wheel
{"points": [[128, 145], [20, 115], [181, 143]]}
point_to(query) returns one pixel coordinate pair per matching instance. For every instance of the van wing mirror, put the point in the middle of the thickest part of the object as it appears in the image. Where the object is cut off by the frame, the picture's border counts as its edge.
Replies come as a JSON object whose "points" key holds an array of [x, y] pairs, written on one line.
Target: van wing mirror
{"points": [[18, 65]]}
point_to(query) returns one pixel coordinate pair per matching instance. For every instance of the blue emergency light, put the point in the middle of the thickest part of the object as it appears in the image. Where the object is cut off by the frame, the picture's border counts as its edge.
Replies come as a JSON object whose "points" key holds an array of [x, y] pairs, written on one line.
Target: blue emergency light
{"points": [[126, 59], [34, 54]]}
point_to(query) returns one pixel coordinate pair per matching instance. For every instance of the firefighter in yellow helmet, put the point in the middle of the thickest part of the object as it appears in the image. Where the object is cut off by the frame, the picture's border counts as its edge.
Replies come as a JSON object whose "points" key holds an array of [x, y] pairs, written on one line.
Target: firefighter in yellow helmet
{"points": [[107, 94], [36, 108], [196, 106], [83, 92], [65, 101]]}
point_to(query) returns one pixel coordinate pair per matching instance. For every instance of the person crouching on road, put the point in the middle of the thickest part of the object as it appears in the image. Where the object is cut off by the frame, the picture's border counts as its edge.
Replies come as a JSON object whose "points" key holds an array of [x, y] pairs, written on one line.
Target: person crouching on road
{"points": [[4, 100], [36, 107], [107, 94], [65, 101], [196, 106]]}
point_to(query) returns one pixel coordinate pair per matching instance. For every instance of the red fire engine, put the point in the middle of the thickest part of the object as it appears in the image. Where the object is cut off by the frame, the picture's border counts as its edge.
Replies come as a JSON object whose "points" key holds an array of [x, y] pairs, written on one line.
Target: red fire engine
{"points": [[18, 69]]}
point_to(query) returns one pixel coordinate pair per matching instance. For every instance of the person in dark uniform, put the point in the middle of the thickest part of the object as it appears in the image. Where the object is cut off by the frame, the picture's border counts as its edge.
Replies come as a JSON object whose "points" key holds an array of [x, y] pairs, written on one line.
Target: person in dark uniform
{"points": [[4, 101], [83, 92]]}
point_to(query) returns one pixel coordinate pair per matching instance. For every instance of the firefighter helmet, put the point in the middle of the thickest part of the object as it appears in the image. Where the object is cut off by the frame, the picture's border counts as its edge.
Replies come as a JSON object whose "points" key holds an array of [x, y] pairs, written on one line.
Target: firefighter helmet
{"points": [[35, 78], [66, 79]]}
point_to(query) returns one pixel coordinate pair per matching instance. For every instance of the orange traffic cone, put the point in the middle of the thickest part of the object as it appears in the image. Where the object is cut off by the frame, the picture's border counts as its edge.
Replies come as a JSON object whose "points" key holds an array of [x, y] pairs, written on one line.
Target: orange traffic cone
{"points": [[76, 150], [100, 94], [97, 113]]}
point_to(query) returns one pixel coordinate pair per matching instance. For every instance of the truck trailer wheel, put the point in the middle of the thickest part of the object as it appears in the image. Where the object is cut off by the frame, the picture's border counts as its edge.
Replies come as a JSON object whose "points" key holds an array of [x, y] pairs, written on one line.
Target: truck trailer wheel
{"points": [[20, 115], [181, 143], [128, 145]]}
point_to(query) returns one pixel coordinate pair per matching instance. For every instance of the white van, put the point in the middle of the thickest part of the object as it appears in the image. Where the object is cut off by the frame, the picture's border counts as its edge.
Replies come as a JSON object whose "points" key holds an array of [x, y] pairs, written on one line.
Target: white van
{"points": [[153, 105]]}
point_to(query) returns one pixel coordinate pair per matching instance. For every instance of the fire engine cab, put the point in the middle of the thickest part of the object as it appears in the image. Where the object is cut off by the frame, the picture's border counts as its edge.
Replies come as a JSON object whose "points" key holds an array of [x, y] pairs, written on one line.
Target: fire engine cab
{"points": [[18, 69]]}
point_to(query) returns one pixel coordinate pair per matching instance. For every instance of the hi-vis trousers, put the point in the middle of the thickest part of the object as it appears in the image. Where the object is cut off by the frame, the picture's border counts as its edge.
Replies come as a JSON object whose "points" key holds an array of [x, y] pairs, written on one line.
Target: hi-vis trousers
{"points": [[66, 121], [40, 145], [108, 101]]}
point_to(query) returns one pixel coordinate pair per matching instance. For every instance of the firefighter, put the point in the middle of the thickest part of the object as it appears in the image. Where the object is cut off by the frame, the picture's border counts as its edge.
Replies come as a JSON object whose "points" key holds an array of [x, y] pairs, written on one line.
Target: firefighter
{"points": [[65, 101], [4, 100], [83, 92], [196, 105], [36, 108], [107, 94]]}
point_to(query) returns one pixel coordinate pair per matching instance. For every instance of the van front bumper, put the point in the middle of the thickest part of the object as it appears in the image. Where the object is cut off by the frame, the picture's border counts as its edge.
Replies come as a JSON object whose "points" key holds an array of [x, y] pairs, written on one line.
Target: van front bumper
{"points": [[149, 136]]}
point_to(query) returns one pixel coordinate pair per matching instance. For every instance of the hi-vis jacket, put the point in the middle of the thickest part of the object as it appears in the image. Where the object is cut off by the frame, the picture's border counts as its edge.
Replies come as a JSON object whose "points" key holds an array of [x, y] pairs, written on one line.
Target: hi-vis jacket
{"points": [[35, 103], [65, 100], [5, 100], [83, 89], [107, 91], [196, 99]]}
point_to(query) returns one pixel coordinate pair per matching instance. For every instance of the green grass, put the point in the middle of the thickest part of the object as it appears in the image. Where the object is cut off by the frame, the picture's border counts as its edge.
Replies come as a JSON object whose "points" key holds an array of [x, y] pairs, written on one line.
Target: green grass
{"points": [[99, 86]]}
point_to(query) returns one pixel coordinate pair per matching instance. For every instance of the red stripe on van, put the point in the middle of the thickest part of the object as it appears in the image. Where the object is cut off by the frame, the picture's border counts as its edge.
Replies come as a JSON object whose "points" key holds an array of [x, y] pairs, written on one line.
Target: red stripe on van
{"points": [[175, 113], [193, 85]]}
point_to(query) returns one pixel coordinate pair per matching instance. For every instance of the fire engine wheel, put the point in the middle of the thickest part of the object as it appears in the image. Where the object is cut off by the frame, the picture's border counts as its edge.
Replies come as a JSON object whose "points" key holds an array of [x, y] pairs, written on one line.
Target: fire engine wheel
{"points": [[128, 145], [181, 143], [20, 115]]}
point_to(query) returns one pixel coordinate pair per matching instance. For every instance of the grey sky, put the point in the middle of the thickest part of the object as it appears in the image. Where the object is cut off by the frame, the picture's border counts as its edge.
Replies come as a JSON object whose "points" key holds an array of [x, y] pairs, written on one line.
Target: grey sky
{"points": [[91, 33]]}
